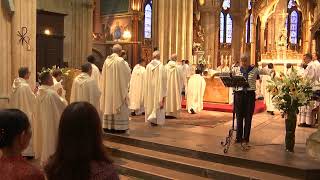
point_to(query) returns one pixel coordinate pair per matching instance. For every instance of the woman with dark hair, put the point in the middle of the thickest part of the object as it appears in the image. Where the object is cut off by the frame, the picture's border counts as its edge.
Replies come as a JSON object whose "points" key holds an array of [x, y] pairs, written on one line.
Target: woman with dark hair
{"points": [[15, 134], [79, 153]]}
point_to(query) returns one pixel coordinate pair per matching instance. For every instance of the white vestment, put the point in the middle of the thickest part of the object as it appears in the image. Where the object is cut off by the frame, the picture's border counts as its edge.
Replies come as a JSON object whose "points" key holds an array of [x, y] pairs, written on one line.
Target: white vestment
{"points": [[305, 112], [22, 98], [223, 69], [136, 88], [174, 89], [95, 74], [155, 89], [196, 89], [85, 88], [57, 85], [268, 96], [49, 108], [114, 85]]}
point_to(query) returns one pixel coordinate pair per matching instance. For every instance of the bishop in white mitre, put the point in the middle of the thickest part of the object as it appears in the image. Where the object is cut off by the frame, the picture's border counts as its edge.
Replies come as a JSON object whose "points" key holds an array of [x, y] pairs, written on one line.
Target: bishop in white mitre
{"points": [[95, 70], [136, 88], [49, 108], [196, 89], [155, 91], [85, 88], [23, 98], [174, 87], [114, 86], [57, 84]]}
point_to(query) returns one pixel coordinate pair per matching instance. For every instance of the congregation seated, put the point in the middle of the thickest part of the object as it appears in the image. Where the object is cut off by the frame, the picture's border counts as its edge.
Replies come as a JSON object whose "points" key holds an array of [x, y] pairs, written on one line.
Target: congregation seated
{"points": [[15, 135], [79, 153]]}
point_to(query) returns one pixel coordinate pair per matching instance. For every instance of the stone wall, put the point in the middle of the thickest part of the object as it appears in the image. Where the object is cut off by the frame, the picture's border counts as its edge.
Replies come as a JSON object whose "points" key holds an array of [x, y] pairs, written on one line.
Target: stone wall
{"points": [[14, 54], [78, 27]]}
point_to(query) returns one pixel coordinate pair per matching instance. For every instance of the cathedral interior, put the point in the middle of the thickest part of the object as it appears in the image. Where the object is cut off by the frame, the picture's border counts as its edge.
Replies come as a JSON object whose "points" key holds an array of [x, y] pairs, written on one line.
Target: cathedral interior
{"points": [[45, 33]]}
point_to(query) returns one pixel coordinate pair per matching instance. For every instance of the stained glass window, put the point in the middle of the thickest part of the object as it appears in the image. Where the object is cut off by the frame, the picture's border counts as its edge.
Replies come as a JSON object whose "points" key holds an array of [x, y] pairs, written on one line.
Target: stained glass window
{"points": [[221, 27], [148, 20], [249, 4], [291, 3], [293, 27], [226, 4], [247, 31], [228, 29]]}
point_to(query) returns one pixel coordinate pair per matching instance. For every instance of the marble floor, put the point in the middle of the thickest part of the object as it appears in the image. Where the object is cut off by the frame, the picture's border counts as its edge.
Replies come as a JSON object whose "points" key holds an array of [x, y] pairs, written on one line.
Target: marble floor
{"points": [[267, 137]]}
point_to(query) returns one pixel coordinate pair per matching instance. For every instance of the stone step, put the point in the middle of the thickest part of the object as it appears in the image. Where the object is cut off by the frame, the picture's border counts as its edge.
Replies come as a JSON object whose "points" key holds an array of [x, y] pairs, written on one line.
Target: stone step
{"points": [[147, 171], [282, 169], [123, 177], [188, 165]]}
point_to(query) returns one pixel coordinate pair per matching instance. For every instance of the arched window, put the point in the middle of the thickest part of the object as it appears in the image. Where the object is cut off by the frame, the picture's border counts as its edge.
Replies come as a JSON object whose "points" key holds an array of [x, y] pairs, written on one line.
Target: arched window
{"points": [[248, 24], [225, 23], [221, 27], [294, 27], [148, 20], [293, 22], [229, 29]]}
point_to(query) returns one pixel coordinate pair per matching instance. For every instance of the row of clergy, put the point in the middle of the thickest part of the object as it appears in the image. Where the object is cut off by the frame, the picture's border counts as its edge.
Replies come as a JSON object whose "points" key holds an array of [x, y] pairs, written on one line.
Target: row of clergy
{"points": [[156, 90], [310, 68]]}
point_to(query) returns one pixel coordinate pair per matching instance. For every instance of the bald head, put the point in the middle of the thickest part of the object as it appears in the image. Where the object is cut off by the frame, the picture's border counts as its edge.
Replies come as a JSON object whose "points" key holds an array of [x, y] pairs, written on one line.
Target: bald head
{"points": [[156, 55], [174, 57], [117, 48]]}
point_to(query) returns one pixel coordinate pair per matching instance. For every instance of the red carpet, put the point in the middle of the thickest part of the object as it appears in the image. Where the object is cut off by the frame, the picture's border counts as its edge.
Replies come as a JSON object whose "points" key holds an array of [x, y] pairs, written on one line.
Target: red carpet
{"points": [[260, 106]]}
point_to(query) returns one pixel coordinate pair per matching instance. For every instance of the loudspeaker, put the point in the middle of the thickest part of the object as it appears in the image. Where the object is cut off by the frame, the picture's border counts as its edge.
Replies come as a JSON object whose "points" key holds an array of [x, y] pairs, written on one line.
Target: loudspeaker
{"points": [[9, 6]]}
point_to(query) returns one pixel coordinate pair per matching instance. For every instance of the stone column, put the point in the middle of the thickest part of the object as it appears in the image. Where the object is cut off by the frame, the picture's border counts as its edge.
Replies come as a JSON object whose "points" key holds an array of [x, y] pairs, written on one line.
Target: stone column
{"points": [[216, 40], [253, 40], [237, 35], [23, 55], [81, 40], [208, 24], [175, 27], [97, 18], [262, 40], [5, 55]]}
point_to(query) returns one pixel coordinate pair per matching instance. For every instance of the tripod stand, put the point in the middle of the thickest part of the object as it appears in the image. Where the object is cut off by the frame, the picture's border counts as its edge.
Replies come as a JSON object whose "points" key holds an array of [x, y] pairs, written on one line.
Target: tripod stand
{"points": [[234, 82]]}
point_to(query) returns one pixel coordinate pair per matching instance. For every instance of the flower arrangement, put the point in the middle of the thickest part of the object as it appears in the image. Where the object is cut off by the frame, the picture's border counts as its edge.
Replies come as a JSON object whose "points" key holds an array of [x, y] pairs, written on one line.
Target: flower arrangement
{"points": [[65, 71], [289, 92]]}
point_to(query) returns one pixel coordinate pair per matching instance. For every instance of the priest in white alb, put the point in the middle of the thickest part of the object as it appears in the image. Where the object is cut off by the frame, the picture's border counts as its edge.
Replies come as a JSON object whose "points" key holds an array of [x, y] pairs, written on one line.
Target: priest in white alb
{"points": [[49, 108], [85, 88], [114, 86], [196, 89], [95, 70], [155, 91], [136, 89], [57, 84], [22, 97], [174, 87]]}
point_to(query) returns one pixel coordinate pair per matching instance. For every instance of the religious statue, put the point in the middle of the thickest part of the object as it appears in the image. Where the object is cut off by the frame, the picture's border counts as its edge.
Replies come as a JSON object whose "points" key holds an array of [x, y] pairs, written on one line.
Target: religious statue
{"points": [[282, 42], [117, 32]]}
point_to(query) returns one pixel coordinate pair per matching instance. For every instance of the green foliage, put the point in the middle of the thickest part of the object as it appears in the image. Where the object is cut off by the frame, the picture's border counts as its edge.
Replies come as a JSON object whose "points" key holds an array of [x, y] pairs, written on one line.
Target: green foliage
{"points": [[289, 92]]}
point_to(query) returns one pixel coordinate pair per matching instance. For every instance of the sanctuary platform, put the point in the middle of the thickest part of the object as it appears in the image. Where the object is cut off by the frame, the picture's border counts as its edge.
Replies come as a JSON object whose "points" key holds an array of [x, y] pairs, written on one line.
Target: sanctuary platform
{"points": [[182, 150]]}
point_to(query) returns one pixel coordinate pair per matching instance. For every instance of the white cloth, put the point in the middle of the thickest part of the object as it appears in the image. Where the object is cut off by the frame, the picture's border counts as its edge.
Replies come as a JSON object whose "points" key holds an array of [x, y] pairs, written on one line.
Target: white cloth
{"points": [[85, 88], [95, 74], [223, 69], [196, 89], [155, 90], [268, 96], [305, 115], [49, 108], [136, 88], [57, 86], [114, 86], [22, 98], [174, 88], [310, 72]]}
